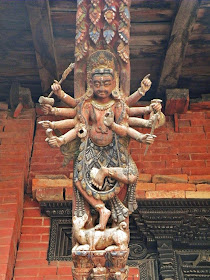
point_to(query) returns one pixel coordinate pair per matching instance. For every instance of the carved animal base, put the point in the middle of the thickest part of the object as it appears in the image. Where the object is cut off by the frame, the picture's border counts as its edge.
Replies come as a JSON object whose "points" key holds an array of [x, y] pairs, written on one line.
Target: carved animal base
{"points": [[100, 265]]}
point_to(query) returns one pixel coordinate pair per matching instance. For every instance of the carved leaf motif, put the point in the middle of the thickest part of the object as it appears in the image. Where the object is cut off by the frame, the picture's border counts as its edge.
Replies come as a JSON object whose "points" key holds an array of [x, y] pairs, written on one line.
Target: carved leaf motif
{"points": [[123, 50], [109, 32], [81, 30], [94, 14], [124, 13], [123, 31], [81, 14], [94, 32], [81, 50]]}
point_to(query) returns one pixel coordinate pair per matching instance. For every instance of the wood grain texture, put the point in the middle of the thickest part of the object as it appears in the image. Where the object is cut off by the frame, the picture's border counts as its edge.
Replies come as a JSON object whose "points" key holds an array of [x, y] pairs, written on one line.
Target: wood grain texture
{"points": [[177, 46], [42, 34]]}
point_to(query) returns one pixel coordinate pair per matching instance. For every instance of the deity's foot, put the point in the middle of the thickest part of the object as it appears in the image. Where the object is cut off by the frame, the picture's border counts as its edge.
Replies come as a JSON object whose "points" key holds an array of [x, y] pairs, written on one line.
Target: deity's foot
{"points": [[104, 216], [98, 176]]}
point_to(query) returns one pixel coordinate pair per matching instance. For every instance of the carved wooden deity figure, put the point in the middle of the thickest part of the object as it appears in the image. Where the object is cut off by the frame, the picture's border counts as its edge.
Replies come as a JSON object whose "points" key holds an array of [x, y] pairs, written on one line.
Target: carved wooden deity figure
{"points": [[105, 175]]}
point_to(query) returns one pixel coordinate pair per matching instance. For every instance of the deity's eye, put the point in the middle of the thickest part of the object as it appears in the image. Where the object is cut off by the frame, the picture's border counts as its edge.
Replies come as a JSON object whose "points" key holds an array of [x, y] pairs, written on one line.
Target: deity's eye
{"points": [[97, 84], [107, 83]]}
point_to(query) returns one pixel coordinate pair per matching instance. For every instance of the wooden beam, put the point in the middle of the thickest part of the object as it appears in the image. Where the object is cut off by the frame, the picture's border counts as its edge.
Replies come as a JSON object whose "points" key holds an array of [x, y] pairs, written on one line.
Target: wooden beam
{"points": [[177, 46], [42, 34]]}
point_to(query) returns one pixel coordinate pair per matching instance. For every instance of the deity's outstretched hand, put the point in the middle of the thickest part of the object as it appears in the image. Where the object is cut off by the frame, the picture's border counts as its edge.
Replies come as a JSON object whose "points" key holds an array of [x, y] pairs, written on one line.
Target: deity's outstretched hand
{"points": [[148, 139], [54, 141], [56, 88], [46, 124], [47, 109], [145, 84]]}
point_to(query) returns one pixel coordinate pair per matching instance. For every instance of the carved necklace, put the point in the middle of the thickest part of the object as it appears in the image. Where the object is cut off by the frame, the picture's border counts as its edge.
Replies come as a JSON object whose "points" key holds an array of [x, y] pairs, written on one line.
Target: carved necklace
{"points": [[102, 107]]}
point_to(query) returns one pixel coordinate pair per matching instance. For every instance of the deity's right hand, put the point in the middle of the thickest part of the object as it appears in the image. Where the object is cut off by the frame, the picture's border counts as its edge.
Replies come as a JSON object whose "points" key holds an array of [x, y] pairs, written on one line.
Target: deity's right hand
{"points": [[56, 88], [47, 109], [55, 142], [46, 124]]}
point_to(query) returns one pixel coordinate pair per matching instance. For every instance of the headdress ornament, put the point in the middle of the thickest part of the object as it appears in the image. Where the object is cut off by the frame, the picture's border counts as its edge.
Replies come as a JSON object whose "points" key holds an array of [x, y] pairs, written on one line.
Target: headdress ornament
{"points": [[102, 62]]}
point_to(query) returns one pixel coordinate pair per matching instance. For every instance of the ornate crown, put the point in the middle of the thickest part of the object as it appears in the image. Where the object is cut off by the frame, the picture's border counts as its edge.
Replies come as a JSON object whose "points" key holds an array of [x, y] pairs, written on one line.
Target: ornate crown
{"points": [[102, 62]]}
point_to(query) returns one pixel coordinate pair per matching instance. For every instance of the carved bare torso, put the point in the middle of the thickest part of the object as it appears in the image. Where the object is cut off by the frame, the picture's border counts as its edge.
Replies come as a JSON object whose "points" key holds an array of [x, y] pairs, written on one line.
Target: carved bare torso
{"points": [[99, 133]]}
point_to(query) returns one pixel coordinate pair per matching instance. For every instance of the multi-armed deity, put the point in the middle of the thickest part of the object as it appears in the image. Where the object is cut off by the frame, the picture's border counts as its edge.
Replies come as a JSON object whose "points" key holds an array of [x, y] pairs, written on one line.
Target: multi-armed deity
{"points": [[101, 121]]}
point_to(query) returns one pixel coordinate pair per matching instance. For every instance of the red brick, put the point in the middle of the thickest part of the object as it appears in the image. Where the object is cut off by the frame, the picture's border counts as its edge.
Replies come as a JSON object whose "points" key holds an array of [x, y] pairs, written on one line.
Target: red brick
{"points": [[27, 278], [46, 221], [5, 240], [175, 186], [33, 246], [32, 222], [191, 129], [26, 272], [165, 171], [3, 269], [180, 178], [203, 156], [31, 263], [192, 149], [35, 230], [7, 223], [203, 187], [192, 115], [165, 194], [182, 136], [68, 193], [198, 194], [47, 271], [30, 255], [140, 194], [145, 186], [199, 179], [184, 123], [146, 178], [187, 163], [134, 273], [197, 122], [196, 171], [66, 270], [45, 238], [32, 213], [30, 238]]}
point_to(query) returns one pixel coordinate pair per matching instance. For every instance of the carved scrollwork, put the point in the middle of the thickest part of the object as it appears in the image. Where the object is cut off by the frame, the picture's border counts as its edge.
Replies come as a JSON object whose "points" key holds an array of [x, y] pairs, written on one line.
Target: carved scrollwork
{"points": [[137, 251]]}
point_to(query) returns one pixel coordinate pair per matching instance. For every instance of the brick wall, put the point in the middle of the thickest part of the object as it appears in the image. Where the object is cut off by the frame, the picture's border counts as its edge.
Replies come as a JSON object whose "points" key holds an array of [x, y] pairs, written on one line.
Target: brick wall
{"points": [[46, 160], [16, 136], [183, 154]]}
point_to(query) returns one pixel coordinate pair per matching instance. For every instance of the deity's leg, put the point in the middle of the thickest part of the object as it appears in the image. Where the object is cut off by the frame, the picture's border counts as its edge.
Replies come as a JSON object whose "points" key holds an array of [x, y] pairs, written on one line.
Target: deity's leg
{"points": [[98, 205], [123, 175]]}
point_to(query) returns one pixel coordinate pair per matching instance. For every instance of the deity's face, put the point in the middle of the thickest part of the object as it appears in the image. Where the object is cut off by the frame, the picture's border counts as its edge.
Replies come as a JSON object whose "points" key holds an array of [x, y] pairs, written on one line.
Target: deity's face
{"points": [[103, 85]]}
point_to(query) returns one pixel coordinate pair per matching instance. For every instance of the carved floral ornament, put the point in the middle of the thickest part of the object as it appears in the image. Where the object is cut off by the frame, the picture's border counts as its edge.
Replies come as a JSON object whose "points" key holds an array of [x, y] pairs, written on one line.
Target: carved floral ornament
{"points": [[105, 21]]}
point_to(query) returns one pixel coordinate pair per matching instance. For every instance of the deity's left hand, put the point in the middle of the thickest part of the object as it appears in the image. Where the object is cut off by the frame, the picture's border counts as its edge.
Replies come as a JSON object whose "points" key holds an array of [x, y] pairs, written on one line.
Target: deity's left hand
{"points": [[145, 84], [109, 118], [156, 107], [148, 139]]}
